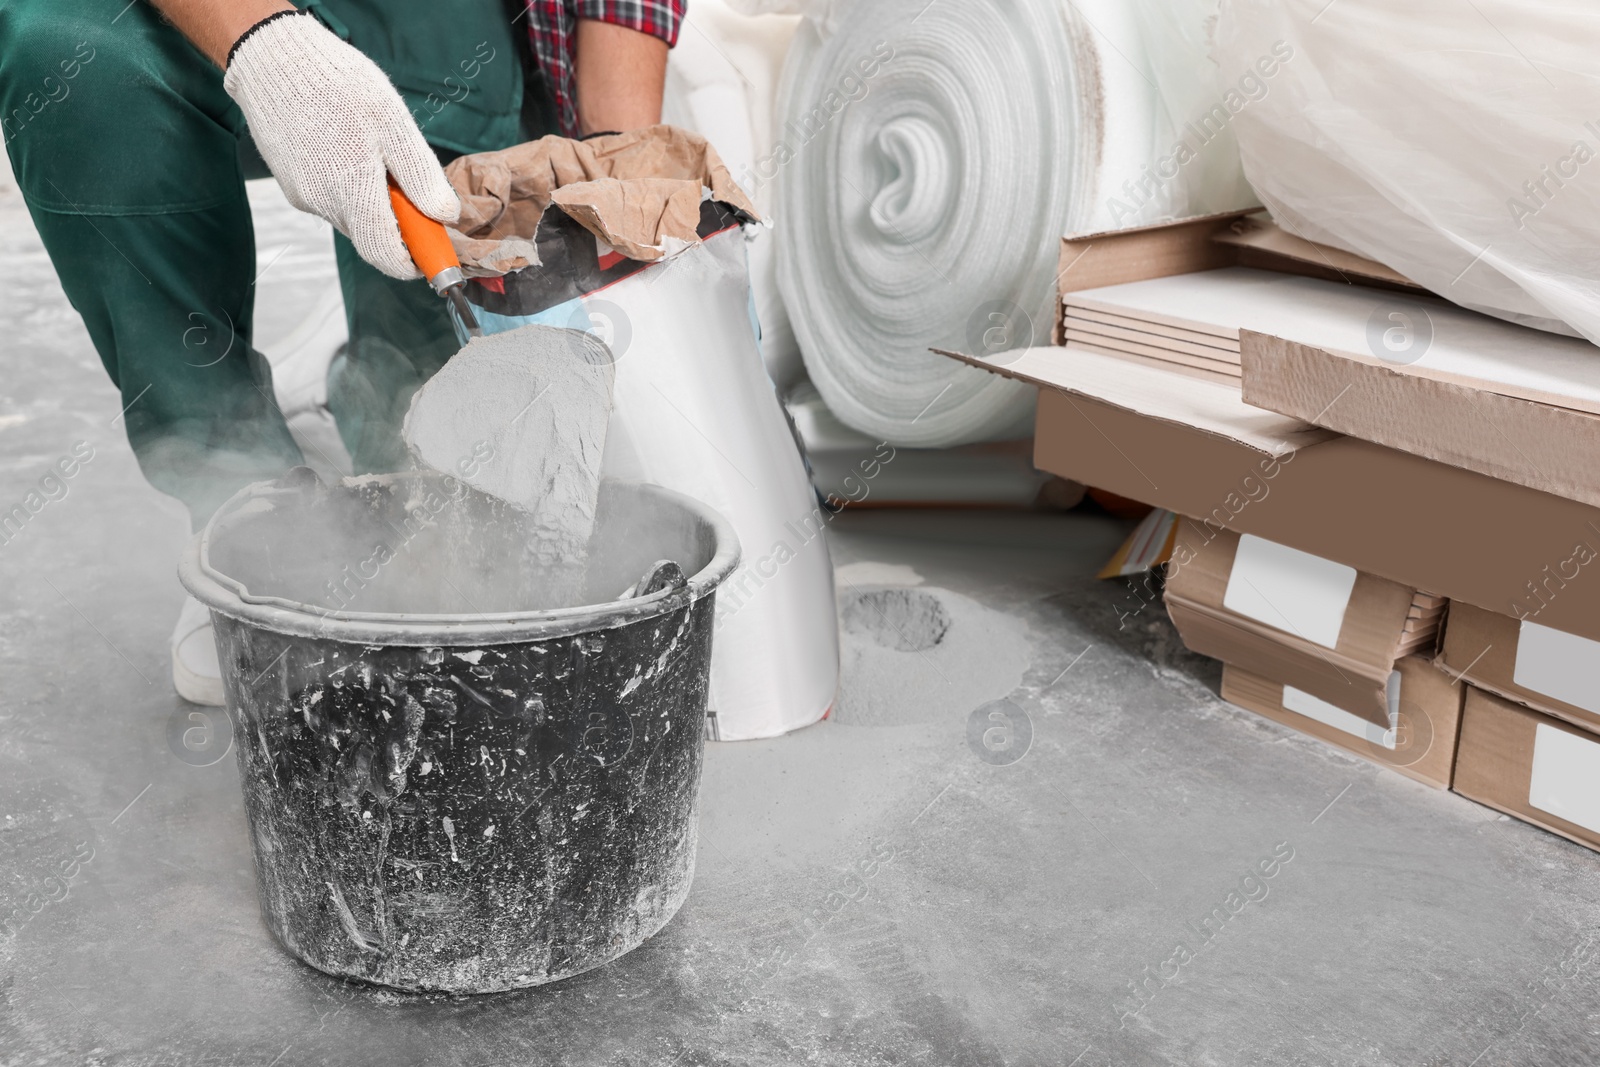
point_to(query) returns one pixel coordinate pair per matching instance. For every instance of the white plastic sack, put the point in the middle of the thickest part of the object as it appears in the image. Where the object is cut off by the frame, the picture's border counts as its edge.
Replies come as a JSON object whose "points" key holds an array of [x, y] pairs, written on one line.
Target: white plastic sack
{"points": [[935, 154], [639, 238], [1455, 142], [695, 411], [722, 82]]}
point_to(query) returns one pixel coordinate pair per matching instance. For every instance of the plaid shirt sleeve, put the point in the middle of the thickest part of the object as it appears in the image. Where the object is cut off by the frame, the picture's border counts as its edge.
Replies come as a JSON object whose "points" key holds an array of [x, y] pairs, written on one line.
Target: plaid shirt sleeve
{"points": [[553, 24]]}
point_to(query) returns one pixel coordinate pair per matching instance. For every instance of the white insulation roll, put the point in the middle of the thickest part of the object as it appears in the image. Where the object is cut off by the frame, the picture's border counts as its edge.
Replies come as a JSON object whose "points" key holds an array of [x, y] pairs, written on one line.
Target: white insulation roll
{"points": [[931, 157], [1458, 143]]}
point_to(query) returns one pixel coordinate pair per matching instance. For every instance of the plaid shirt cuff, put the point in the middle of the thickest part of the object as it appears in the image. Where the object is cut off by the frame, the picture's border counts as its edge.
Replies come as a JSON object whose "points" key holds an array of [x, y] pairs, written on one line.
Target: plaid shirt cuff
{"points": [[659, 18]]}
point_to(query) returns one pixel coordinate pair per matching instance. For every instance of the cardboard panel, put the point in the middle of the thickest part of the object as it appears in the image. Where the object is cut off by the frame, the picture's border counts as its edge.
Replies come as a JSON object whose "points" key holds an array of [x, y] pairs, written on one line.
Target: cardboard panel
{"points": [[1156, 391], [1104, 324], [1209, 563], [1440, 341], [1095, 259], [1162, 354], [1235, 238], [1353, 673], [1312, 707], [1529, 765], [1414, 521], [1421, 746], [1528, 662], [1114, 257], [1359, 688], [1448, 528], [1260, 242], [1538, 445]]}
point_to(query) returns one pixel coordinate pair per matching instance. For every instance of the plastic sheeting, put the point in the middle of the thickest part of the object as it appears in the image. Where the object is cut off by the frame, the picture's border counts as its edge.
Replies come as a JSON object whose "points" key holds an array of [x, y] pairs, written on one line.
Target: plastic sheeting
{"points": [[1455, 142], [938, 152], [722, 82]]}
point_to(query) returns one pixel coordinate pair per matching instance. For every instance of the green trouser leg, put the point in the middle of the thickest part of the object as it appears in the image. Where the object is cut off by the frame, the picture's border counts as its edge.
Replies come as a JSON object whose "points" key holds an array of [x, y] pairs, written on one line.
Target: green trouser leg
{"points": [[400, 334], [126, 149], [199, 407]]}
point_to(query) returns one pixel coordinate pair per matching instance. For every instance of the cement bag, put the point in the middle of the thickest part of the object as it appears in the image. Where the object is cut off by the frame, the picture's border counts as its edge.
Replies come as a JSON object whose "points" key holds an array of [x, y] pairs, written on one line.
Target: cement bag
{"points": [[722, 83], [938, 153], [566, 233], [1455, 142]]}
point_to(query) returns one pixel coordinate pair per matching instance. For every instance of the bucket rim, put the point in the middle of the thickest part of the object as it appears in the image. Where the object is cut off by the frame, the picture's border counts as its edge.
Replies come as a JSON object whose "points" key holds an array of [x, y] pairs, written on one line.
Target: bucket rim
{"points": [[228, 596]]}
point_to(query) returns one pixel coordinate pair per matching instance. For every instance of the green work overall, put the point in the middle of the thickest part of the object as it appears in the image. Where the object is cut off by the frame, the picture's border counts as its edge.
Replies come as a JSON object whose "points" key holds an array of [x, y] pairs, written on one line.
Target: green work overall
{"points": [[132, 160]]}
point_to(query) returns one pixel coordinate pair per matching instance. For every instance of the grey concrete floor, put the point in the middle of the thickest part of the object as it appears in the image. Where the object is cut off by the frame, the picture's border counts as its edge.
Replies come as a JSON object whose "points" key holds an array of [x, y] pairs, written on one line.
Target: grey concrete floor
{"points": [[878, 889]]}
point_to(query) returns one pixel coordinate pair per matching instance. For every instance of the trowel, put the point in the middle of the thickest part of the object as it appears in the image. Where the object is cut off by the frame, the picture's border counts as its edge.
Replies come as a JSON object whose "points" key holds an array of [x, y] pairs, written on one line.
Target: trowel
{"points": [[429, 244], [521, 415]]}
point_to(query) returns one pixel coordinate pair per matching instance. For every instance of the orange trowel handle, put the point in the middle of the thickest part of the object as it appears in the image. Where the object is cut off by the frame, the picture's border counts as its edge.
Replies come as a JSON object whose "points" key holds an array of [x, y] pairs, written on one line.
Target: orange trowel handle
{"points": [[430, 249], [426, 239]]}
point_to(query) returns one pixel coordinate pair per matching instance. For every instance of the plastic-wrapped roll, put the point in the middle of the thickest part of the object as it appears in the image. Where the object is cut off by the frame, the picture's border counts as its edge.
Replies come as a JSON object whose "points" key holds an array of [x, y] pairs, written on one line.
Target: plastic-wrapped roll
{"points": [[937, 152], [1454, 142]]}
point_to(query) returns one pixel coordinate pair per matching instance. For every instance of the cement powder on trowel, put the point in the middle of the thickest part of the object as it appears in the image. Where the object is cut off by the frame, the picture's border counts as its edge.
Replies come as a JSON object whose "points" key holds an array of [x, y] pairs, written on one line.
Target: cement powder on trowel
{"points": [[522, 416]]}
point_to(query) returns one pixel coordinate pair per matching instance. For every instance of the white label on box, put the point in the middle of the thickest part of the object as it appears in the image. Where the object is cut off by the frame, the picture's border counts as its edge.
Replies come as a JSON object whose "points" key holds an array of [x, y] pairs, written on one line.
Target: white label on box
{"points": [[1303, 703], [1566, 777], [1560, 665], [1290, 590]]}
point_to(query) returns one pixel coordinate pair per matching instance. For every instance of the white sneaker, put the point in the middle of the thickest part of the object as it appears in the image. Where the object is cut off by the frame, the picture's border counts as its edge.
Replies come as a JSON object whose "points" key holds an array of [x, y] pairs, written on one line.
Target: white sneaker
{"points": [[195, 673]]}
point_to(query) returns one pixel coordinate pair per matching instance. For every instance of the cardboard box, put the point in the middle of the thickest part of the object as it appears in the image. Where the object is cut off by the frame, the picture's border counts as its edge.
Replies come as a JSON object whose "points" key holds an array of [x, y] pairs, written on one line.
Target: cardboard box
{"points": [[1421, 745], [1529, 662], [1319, 626], [1413, 520], [1501, 399], [1537, 768], [1423, 524]]}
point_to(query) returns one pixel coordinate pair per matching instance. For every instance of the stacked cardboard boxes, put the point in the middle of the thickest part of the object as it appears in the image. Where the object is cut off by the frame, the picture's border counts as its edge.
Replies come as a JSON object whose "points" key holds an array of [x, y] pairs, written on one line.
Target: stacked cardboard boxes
{"points": [[1530, 736], [1361, 527], [1319, 646]]}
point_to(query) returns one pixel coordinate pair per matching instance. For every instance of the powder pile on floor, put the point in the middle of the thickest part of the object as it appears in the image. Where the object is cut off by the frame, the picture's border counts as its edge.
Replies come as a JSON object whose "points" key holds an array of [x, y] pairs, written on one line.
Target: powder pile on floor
{"points": [[910, 655], [522, 415]]}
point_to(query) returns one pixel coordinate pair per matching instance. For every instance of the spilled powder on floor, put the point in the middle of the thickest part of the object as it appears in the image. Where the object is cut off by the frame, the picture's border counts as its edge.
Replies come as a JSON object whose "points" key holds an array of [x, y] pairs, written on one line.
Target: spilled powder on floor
{"points": [[910, 655]]}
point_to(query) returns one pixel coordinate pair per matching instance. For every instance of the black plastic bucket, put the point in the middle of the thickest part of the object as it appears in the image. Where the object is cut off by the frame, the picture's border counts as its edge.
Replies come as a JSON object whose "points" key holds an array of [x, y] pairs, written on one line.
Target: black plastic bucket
{"points": [[450, 786]]}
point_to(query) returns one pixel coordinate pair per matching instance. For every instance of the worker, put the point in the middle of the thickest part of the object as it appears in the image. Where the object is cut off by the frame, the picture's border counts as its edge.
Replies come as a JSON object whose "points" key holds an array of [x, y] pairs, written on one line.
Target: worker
{"points": [[132, 126]]}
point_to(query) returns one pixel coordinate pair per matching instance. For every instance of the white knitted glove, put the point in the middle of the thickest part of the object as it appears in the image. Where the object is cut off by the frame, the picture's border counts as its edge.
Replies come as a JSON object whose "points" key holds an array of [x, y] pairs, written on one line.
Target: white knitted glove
{"points": [[332, 127]]}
